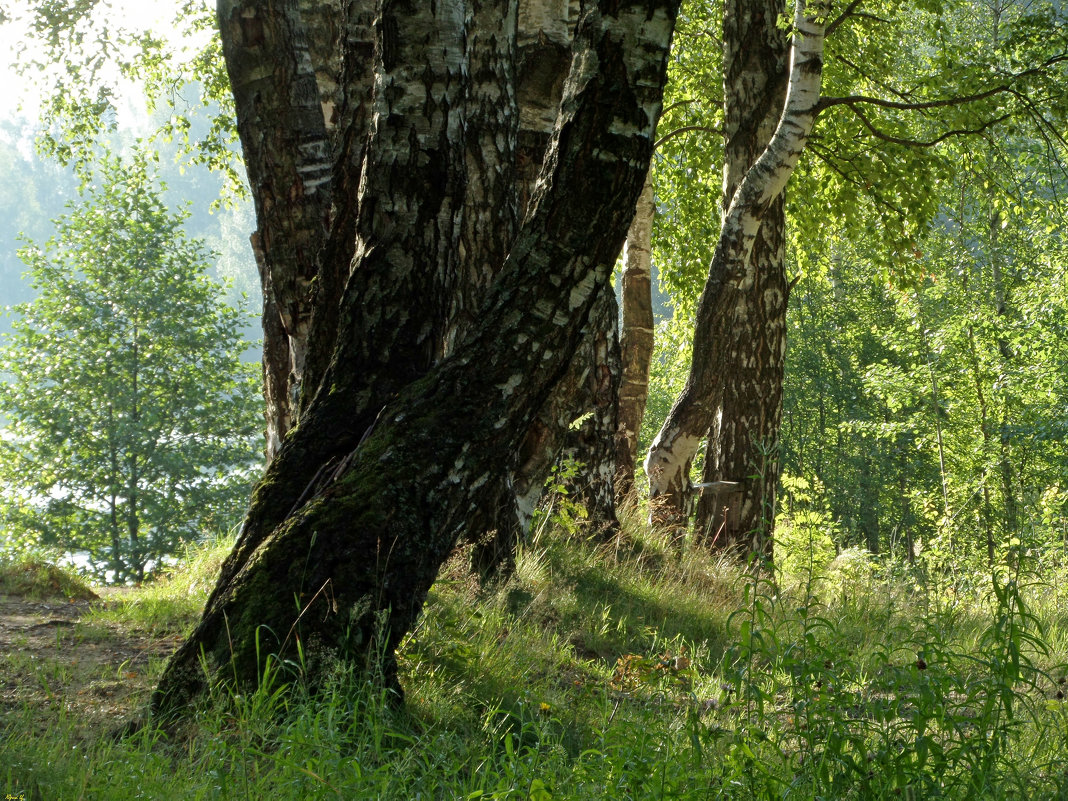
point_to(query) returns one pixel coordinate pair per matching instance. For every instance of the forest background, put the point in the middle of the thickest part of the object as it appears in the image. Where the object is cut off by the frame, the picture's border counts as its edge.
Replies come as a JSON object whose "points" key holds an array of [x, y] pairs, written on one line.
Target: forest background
{"points": [[926, 361]]}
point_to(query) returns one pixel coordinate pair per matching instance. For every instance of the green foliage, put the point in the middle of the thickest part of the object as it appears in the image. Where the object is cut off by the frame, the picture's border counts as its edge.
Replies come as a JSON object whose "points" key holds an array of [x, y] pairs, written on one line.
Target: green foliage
{"points": [[805, 532], [87, 62], [687, 167], [132, 423], [672, 351], [930, 410]]}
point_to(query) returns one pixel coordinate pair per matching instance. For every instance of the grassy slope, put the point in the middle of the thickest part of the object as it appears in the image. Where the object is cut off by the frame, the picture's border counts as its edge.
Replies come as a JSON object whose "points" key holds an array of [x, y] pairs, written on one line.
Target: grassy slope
{"points": [[622, 673]]}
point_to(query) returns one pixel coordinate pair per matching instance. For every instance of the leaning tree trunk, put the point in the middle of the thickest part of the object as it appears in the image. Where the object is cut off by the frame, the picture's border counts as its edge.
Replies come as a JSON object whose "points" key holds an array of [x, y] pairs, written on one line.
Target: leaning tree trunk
{"points": [[741, 466], [636, 337], [732, 275], [741, 469], [392, 314], [545, 33], [359, 555]]}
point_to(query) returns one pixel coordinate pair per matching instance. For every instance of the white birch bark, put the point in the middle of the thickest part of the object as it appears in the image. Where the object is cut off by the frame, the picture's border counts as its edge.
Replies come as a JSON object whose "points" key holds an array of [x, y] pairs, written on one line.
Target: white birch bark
{"points": [[667, 463], [636, 337]]}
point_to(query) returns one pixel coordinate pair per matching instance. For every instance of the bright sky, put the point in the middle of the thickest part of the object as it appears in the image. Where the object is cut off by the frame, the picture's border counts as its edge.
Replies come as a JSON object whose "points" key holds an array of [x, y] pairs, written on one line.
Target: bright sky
{"points": [[16, 90]]}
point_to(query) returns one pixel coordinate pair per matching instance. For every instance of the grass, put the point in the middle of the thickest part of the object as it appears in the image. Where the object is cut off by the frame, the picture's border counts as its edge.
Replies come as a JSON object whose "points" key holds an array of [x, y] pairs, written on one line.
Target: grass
{"points": [[627, 671], [173, 602], [37, 577]]}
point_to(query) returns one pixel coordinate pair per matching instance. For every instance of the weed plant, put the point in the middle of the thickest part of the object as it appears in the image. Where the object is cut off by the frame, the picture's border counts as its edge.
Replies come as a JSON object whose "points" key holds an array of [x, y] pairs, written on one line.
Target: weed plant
{"points": [[631, 670]]}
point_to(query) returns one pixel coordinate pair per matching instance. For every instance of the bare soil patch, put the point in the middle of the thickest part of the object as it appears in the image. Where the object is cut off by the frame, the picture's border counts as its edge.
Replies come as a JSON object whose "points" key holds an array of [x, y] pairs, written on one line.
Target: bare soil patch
{"points": [[56, 664]]}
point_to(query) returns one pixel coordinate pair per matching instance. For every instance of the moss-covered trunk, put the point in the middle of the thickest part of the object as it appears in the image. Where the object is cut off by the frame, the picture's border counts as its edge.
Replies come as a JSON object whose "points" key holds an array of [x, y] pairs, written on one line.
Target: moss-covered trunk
{"points": [[361, 534]]}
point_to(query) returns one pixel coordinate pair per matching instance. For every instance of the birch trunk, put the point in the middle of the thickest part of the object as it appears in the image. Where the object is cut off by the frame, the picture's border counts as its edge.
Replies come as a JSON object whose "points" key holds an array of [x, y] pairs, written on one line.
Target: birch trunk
{"points": [[636, 337], [733, 274], [288, 156], [586, 395], [391, 317], [586, 391], [741, 454], [359, 555]]}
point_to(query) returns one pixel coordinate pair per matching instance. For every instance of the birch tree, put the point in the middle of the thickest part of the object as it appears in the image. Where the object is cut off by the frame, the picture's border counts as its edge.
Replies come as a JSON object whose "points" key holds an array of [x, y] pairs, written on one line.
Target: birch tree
{"points": [[636, 337], [895, 101], [353, 518], [733, 271], [130, 418]]}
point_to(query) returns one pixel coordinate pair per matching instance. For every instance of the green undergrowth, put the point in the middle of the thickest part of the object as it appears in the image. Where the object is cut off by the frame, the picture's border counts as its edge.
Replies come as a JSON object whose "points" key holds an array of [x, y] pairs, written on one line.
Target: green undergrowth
{"points": [[172, 602], [630, 670]]}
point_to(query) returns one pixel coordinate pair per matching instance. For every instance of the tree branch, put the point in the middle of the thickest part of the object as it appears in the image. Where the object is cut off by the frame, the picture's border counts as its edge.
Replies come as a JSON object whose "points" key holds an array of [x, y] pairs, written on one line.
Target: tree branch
{"points": [[848, 12], [853, 66], [685, 129], [919, 143], [850, 100]]}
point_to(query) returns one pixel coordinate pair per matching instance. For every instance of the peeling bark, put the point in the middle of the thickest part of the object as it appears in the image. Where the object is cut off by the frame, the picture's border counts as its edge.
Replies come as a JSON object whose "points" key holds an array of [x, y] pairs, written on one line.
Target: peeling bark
{"points": [[733, 275], [360, 554]]}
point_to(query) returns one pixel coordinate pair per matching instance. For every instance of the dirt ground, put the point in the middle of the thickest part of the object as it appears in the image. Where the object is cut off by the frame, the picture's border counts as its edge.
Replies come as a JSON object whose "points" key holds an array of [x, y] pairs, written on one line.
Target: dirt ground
{"points": [[58, 666]]}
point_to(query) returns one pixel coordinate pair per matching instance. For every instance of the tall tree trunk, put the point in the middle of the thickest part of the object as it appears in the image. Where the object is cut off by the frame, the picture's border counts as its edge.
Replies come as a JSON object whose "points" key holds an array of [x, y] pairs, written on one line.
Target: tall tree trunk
{"points": [[113, 492], [741, 455], [1007, 356], [543, 56], [288, 156], [545, 32], [636, 337], [737, 285], [360, 554], [392, 314], [580, 417]]}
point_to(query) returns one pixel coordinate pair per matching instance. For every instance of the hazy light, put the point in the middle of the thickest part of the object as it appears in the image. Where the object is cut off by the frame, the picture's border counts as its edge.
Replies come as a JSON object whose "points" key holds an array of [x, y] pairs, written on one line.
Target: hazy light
{"points": [[20, 95]]}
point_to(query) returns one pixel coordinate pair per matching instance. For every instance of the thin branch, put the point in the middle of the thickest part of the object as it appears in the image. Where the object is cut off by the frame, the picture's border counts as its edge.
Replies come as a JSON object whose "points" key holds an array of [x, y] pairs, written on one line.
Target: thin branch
{"points": [[677, 104], [919, 143], [715, 101], [828, 102], [872, 17], [887, 87], [1043, 124], [848, 12], [685, 129]]}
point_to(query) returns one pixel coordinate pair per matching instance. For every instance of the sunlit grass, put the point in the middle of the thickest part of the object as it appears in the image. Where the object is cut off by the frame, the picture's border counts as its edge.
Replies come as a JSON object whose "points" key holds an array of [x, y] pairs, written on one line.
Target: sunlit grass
{"points": [[629, 670], [172, 602], [36, 576]]}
